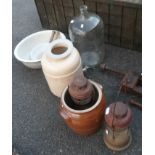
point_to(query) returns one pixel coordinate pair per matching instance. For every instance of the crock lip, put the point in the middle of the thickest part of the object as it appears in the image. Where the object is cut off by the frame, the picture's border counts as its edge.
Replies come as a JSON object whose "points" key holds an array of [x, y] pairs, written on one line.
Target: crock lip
{"points": [[86, 110], [62, 42], [30, 36]]}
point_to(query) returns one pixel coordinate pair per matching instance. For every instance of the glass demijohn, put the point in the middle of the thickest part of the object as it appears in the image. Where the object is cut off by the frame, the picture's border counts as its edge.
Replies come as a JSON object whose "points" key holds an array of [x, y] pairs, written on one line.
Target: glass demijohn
{"points": [[87, 34]]}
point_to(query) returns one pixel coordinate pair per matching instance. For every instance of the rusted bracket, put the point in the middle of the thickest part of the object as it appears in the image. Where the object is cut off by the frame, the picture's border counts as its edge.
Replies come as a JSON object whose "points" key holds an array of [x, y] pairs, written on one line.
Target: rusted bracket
{"points": [[131, 82], [135, 103]]}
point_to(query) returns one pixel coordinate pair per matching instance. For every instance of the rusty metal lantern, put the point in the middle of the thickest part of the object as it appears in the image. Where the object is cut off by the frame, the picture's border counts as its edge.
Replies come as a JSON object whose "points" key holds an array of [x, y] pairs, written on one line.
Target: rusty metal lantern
{"points": [[81, 90], [117, 134]]}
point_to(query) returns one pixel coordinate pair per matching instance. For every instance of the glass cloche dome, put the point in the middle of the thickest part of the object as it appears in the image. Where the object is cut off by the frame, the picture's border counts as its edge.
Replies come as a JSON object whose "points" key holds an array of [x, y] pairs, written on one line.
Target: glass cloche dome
{"points": [[87, 34]]}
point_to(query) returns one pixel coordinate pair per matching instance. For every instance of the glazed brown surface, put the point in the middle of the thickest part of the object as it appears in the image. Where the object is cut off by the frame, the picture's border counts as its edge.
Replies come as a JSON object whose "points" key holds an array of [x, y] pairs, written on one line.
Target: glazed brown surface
{"points": [[84, 123]]}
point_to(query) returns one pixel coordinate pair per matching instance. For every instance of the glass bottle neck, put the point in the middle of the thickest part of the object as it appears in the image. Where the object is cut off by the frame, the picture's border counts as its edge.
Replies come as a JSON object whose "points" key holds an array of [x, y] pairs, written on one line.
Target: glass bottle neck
{"points": [[83, 10]]}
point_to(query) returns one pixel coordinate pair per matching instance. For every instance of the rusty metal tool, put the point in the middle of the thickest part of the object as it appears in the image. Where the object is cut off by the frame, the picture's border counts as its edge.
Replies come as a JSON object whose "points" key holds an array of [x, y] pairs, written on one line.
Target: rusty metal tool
{"points": [[131, 82], [104, 67], [135, 103]]}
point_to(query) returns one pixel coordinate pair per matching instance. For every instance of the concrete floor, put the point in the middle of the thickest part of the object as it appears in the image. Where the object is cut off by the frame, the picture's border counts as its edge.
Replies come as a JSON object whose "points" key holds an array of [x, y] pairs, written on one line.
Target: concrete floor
{"points": [[37, 127]]}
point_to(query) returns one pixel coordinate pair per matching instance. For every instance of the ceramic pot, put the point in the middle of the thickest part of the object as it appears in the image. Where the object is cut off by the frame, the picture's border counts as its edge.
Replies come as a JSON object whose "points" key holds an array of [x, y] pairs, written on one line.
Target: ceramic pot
{"points": [[60, 64], [29, 50], [86, 121], [117, 135]]}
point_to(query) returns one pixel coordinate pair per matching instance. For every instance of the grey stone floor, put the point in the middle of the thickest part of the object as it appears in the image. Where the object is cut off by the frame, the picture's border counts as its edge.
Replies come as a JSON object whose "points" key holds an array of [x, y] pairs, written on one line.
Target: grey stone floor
{"points": [[37, 127]]}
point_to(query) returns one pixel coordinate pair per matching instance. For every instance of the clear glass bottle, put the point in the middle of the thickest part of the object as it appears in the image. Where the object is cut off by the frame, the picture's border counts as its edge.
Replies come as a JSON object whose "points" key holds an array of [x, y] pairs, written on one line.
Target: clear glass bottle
{"points": [[87, 34]]}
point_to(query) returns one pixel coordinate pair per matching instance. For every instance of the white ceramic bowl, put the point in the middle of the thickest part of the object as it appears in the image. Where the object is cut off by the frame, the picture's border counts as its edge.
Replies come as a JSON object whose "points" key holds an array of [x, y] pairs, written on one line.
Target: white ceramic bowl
{"points": [[23, 50]]}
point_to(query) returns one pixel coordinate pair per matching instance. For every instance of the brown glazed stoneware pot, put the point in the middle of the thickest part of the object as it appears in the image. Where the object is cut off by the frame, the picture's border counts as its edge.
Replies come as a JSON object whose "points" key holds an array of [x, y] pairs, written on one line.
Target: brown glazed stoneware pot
{"points": [[86, 121]]}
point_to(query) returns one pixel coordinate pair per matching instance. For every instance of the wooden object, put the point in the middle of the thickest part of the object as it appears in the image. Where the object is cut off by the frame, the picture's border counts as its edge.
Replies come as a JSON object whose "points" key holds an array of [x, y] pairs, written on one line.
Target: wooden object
{"points": [[122, 19]]}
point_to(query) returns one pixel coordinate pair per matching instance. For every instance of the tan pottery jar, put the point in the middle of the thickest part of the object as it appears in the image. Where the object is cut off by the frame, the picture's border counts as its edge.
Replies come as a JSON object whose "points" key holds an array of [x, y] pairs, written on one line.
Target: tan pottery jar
{"points": [[117, 134], [60, 64], [86, 121]]}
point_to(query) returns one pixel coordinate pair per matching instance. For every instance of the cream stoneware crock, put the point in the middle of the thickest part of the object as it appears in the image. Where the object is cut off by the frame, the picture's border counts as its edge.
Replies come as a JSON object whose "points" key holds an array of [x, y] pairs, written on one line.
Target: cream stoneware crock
{"points": [[60, 64]]}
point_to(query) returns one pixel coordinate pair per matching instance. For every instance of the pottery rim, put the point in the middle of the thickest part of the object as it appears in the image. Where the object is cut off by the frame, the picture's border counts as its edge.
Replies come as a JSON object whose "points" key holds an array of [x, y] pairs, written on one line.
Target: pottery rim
{"points": [[60, 42], [99, 90]]}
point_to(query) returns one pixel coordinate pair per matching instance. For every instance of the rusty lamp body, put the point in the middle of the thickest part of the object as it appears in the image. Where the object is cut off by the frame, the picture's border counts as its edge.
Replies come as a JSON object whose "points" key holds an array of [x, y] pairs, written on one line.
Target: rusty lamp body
{"points": [[117, 135], [81, 91]]}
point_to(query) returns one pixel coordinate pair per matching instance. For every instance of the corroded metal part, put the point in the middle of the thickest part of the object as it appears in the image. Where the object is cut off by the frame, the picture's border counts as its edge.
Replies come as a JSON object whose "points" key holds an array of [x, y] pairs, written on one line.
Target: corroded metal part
{"points": [[135, 103], [81, 90], [117, 135], [104, 67], [119, 117], [131, 81], [120, 142]]}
